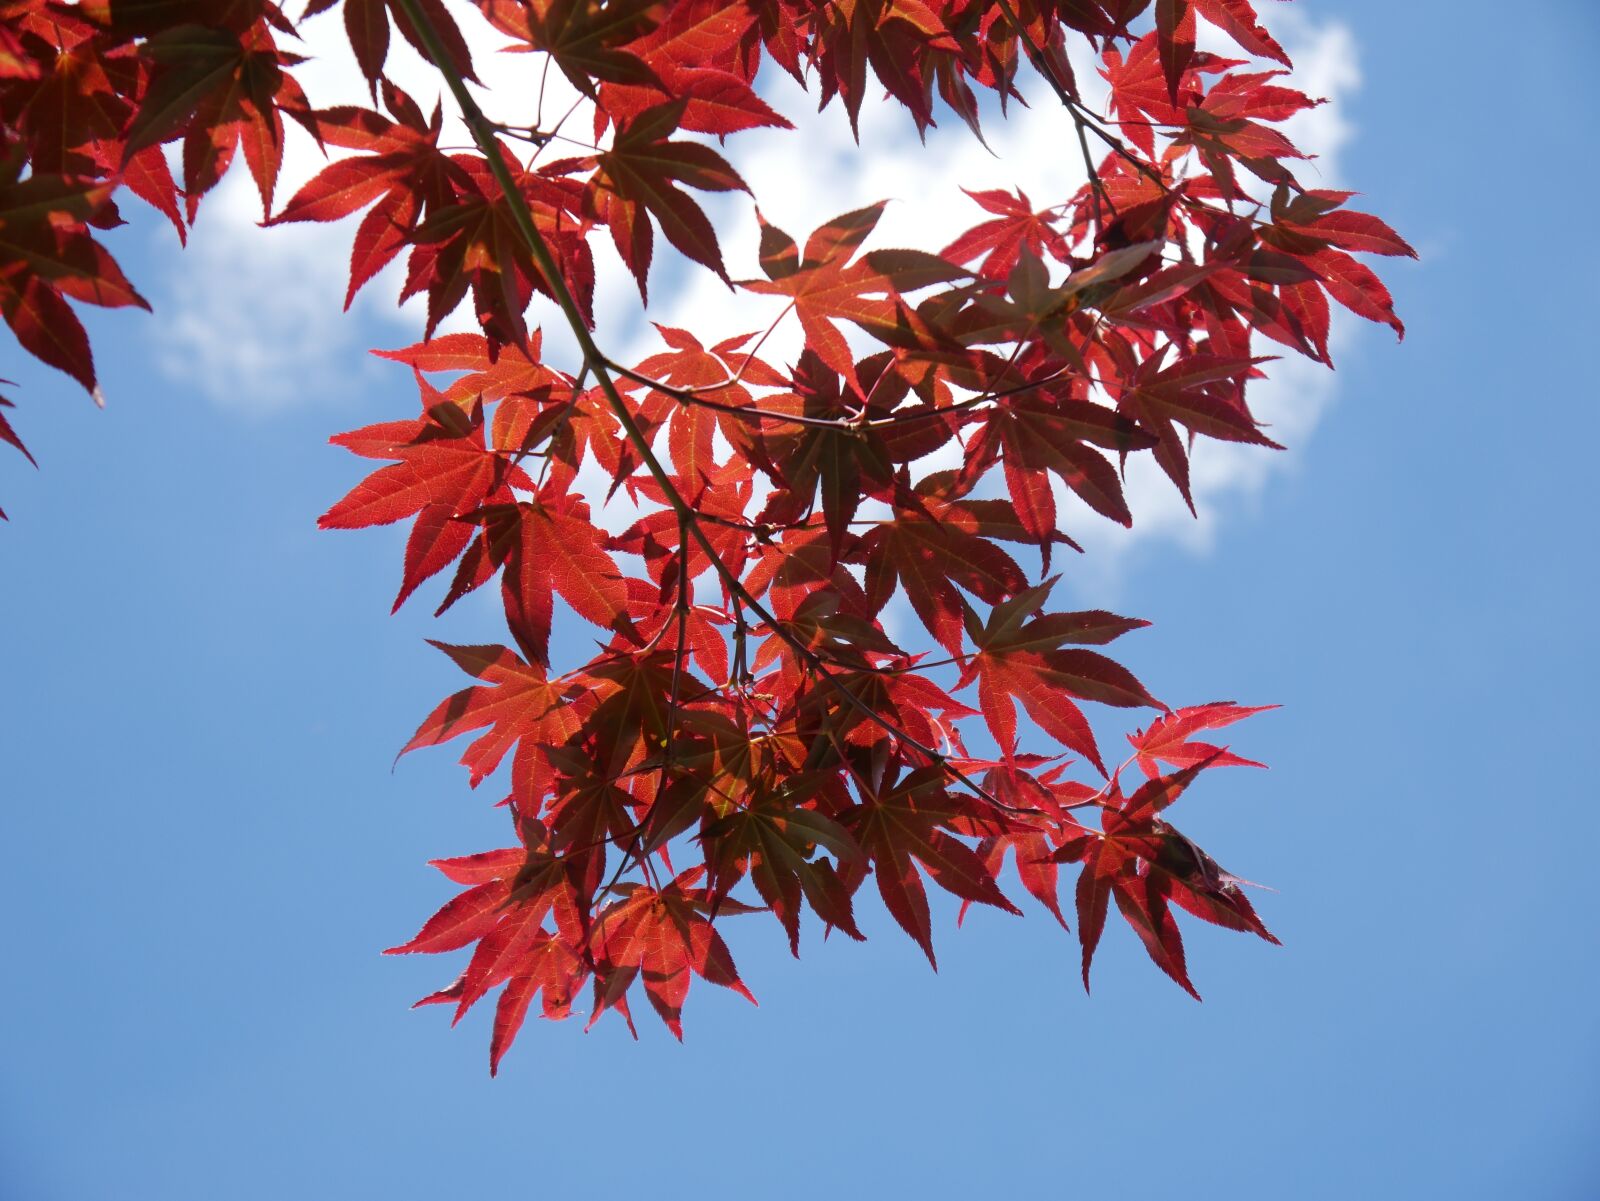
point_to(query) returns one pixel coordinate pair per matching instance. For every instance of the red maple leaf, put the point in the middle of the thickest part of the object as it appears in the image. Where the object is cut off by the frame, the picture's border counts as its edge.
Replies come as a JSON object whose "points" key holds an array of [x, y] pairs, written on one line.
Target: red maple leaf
{"points": [[662, 935]]}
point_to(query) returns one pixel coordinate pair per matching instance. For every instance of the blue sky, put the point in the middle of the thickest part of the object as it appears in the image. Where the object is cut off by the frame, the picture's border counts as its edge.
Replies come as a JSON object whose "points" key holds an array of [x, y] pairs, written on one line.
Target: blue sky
{"points": [[206, 847]]}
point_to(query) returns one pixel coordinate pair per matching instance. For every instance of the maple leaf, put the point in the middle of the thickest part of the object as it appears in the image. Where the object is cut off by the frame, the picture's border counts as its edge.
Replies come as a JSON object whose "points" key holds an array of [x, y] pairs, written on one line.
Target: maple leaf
{"points": [[832, 453], [639, 172], [1175, 33], [774, 843], [713, 101], [901, 825], [402, 175], [366, 24], [1024, 657], [1238, 19], [548, 965], [8, 434], [511, 893], [1316, 216], [438, 466], [825, 286], [1142, 862], [558, 550], [222, 90], [1034, 437], [1355, 285], [897, 39], [662, 935], [697, 34], [529, 396], [1203, 393], [1000, 242], [518, 703], [584, 38], [1170, 738], [46, 254], [929, 558], [475, 244], [717, 377]]}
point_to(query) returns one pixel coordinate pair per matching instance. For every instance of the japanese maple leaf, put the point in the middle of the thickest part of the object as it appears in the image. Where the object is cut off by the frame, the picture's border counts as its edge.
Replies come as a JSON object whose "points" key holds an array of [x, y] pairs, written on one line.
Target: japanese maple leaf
{"points": [[222, 91], [1036, 435], [639, 174], [910, 701], [1356, 286], [825, 286], [1011, 782], [76, 112], [401, 173], [1316, 217], [828, 453], [1159, 77], [902, 824], [555, 549], [438, 465], [662, 935], [548, 965], [1237, 18], [774, 842], [445, 472], [584, 38], [999, 242], [718, 376], [930, 558], [898, 38], [506, 888], [714, 101], [1143, 862], [366, 24], [659, 536], [699, 34], [1024, 657], [1201, 392], [1170, 738], [47, 253], [8, 434], [1032, 309], [1175, 33], [1225, 128], [802, 562], [1035, 870], [129, 19], [475, 244], [511, 892], [1317, 231], [522, 708], [525, 391]]}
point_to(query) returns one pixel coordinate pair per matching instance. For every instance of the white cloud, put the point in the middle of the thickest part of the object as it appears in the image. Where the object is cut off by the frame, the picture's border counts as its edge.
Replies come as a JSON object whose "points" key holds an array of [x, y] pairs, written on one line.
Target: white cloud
{"points": [[252, 316]]}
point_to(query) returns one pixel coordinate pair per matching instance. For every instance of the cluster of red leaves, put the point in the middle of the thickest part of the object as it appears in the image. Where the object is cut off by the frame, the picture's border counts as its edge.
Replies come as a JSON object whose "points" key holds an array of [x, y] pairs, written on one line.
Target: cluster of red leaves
{"points": [[90, 95], [747, 711]]}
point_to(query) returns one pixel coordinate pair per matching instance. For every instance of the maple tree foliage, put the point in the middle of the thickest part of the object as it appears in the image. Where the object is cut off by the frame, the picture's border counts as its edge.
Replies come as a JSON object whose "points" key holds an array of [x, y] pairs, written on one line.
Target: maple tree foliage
{"points": [[748, 736]]}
